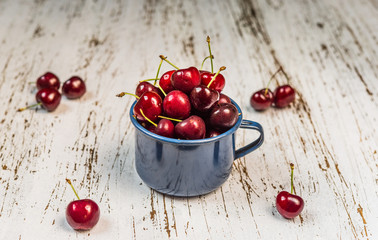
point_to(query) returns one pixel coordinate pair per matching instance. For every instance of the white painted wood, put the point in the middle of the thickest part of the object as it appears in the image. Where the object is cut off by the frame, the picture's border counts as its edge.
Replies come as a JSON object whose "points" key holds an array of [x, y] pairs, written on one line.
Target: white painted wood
{"points": [[327, 48]]}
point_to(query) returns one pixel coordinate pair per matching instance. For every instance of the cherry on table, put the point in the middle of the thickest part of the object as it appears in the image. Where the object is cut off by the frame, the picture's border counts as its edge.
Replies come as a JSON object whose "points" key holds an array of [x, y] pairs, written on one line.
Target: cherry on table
{"points": [[223, 116], [48, 80], [48, 98], [177, 105], [74, 87], [283, 96], [262, 99], [82, 214], [191, 128], [288, 204]]}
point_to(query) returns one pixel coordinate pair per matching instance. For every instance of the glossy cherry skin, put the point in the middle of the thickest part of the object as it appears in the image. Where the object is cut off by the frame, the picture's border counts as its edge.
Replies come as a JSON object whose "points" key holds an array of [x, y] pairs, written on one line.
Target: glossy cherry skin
{"points": [[165, 82], [82, 214], [191, 128], [223, 99], [48, 80], [49, 98], [186, 79], [203, 98], [145, 87], [223, 116], [212, 133], [74, 87], [261, 101], [283, 96], [165, 128], [151, 105], [289, 205], [218, 83], [177, 105]]}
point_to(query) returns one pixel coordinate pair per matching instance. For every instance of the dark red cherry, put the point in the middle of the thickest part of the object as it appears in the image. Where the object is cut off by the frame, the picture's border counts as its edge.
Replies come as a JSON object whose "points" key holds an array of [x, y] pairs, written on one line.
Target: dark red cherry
{"points": [[212, 133], [186, 79], [203, 98], [165, 128], [49, 98], [218, 83], [262, 99], [223, 116], [74, 87], [289, 205], [48, 80], [223, 99], [177, 105], [191, 128], [283, 96], [145, 87], [82, 214], [165, 81], [151, 105]]}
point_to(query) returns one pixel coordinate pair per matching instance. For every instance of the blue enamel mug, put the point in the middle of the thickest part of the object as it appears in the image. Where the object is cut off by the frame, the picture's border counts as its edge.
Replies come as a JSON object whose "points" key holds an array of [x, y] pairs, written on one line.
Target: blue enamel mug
{"points": [[189, 167]]}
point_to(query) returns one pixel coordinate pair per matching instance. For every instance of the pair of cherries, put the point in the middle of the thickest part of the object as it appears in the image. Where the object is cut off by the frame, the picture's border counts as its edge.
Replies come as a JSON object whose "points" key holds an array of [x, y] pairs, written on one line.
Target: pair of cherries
{"points": [[281, 97], [48, 95]]}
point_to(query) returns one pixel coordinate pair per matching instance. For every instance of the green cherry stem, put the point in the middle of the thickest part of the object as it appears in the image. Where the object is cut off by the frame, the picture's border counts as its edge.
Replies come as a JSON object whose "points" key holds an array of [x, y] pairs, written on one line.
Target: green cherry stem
{"points": [[211, 56], [162, 90], [126, 93], [141, 112], [211, 60], [172, 119], [212, 80], [24, 108], [157, 74], [70, 183], [271, 78], [165, 59], [150, 79], [292, 177]]}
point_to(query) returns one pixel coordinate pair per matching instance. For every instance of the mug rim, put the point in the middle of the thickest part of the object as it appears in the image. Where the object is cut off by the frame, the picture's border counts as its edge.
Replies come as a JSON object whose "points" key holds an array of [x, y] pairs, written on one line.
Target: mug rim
{"points": [[184, 141]]}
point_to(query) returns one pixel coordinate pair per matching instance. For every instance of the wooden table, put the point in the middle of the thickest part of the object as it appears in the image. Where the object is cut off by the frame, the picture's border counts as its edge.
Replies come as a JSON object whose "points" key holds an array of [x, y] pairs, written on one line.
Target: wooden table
{"points": [[327, 48]]}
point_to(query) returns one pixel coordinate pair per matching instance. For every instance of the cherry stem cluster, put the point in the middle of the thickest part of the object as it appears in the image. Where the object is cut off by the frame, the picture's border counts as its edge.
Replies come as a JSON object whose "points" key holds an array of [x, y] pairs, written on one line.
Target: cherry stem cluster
{"points": [[70, 183], [280, 69], [165, 59], [211, 59], [212, 80], [210, 56], [292, 177]]}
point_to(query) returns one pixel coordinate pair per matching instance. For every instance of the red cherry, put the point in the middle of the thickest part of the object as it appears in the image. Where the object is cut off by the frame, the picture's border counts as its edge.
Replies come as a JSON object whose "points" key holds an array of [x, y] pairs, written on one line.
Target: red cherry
{"points": [[151, 104], [145, 87], [223, 99], [48, 80], [223, 116], [74, 87], [262, 99], [177, 105], [212, 133], [165, 81], [288, 204], [191, 128], [49, 98], [218, 83], [283, 96], [186, 79], [203, 98], [165, 128]]}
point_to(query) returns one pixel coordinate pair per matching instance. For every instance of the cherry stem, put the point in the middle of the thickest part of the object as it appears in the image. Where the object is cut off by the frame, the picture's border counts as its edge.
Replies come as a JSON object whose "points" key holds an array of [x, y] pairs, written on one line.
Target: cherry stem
{"points": [[172, 119], [165, 59], [125, 93], [271, 78], [70, 183], [157, 74], [24, 108], [211, 60], [150, 79], [211, 56], [141, 112], [292, 177], [162, 90], [212, 80]]}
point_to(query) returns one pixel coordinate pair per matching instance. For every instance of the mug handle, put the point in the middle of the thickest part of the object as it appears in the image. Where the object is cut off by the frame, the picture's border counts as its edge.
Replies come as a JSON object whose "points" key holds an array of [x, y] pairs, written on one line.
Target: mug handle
{"points": [[253, 145]]}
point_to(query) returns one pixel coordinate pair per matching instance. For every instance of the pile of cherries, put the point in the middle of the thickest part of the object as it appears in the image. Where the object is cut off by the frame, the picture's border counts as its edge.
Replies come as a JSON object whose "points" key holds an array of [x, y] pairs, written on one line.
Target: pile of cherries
{"points": [[48, 95], [281, 97], [185, 103]]}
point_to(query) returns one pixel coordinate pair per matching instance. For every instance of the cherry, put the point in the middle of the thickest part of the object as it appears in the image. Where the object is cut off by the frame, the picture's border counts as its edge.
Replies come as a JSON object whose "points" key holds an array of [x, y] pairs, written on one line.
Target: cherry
{"points": [[223, 116], [283, 96], [212, 133], [262, 99], [74, 87], [82, 214], [191, 128], [145, 87], [218, 84], [186, 79], [223, 99], [203, 98], [48, 80], [165, 81], [288, 204], [177, 105], [151, 104], [48, 98], [165, 128]]}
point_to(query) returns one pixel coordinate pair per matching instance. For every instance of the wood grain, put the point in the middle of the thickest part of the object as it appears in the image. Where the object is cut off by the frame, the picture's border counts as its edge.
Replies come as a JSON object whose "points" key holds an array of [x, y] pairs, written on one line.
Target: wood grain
{"points": [[327, 48]]}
